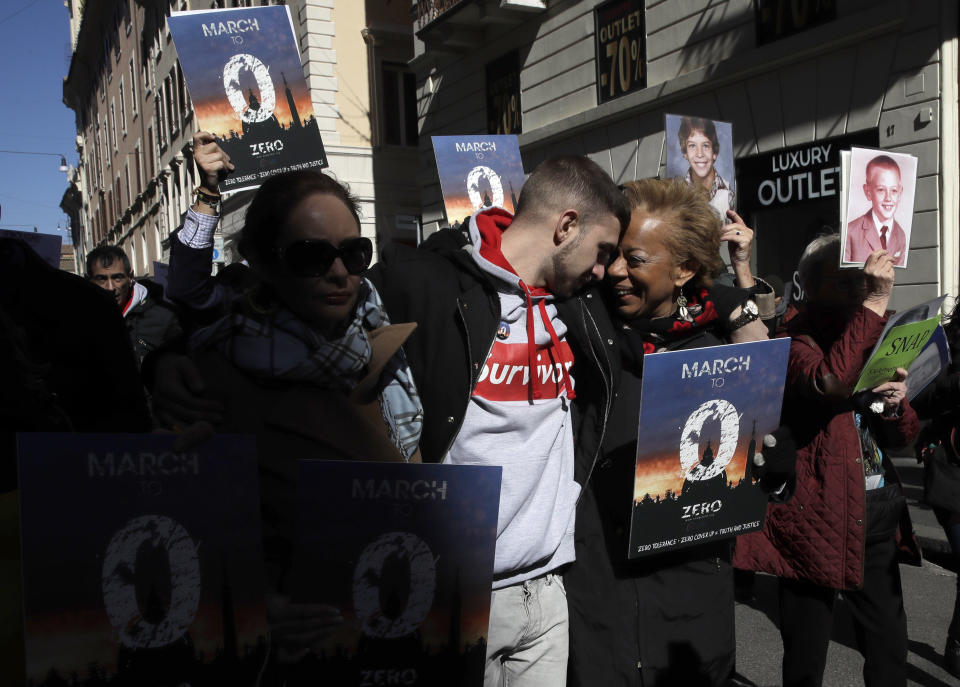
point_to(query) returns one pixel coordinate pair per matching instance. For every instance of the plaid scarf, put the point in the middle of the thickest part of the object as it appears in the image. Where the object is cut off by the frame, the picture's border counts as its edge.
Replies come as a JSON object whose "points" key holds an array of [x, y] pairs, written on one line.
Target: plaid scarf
{"points": [[280, 346]]}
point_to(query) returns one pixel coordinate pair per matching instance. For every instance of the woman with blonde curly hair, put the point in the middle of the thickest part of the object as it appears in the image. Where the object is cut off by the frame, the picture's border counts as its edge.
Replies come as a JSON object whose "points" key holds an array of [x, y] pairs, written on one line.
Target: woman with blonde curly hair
{"points": [[669, 618]]}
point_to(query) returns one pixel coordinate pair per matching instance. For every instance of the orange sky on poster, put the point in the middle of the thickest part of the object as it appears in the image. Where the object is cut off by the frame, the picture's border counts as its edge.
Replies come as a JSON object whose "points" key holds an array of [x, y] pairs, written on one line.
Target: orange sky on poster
{"points": [[219, 118], [458, 207], [657, 475]]}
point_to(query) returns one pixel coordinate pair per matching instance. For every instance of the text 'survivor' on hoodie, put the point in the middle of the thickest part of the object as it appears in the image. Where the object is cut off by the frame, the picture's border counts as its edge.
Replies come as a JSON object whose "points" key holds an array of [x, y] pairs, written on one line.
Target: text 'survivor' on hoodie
{"points": [[521, 421]]}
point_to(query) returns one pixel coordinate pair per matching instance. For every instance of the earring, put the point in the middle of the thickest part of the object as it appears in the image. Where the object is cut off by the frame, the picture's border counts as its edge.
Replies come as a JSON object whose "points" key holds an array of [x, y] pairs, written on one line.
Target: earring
{"points": [[682, 305]]}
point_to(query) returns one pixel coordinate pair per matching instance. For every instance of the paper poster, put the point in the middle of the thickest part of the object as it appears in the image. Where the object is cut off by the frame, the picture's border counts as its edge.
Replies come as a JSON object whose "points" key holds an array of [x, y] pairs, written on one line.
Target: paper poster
{"points": [[245, 78], [405, 552], [47, 246], [478, 172], [693, 481], [877, 192], [934, 358], [899, 347], [700, 151], [141, 565]]}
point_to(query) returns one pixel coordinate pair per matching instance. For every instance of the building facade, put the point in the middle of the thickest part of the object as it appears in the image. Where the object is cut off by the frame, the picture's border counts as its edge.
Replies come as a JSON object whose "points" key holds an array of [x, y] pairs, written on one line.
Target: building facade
{"points": [[135, 122], [596, 78]]}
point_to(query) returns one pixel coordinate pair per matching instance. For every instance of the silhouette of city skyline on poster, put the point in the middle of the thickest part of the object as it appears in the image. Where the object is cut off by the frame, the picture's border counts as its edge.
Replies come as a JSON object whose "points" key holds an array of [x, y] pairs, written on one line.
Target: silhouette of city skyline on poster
{"points": [[409, 565], [156, 577], [693, 481], [243, 70]]}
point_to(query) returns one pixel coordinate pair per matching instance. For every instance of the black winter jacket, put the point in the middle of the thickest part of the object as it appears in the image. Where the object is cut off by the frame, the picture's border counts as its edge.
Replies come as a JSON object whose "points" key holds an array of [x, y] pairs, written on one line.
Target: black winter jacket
{"points": [[457, 311], [662, 620], [151, 323]]}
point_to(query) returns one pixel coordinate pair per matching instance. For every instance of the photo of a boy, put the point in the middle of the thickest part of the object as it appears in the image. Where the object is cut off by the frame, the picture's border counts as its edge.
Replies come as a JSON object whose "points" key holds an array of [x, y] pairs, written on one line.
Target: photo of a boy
{"points": [[877, 228], [699, 150]]}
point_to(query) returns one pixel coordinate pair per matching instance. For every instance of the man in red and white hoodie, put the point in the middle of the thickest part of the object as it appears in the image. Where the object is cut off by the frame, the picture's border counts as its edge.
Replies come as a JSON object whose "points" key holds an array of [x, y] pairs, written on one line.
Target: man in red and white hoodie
{"points": [[514, 372]]}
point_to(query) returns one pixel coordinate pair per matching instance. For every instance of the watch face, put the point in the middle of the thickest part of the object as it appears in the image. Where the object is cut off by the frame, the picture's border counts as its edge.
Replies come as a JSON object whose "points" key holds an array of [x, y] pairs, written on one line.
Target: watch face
{"points": [[751, 308]]}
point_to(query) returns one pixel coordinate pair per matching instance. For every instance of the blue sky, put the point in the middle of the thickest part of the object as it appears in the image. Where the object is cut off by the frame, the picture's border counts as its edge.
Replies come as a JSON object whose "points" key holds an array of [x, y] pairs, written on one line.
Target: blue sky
{"points": [[34, 49]]}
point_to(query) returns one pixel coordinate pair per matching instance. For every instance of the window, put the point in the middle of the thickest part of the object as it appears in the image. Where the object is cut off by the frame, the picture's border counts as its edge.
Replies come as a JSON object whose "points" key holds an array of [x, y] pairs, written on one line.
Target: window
{"points": [[113, 119], [116, 195], [123, 109], [150, 170], [126, 16], [139, 168], [182, 92], [399, 112], [161, 119], [169, 86], [133, 90], [126, 174]]}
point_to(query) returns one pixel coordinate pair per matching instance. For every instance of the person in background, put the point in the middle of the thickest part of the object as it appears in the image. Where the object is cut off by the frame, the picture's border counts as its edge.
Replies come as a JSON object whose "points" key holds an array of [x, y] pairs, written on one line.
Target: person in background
{"points": [[842, 529], [938, 448], [151, 323]]}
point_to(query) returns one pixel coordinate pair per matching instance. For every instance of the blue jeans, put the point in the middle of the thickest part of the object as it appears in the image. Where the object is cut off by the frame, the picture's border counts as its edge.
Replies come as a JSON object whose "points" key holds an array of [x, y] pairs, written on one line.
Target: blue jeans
{"points": [[529, 634]]}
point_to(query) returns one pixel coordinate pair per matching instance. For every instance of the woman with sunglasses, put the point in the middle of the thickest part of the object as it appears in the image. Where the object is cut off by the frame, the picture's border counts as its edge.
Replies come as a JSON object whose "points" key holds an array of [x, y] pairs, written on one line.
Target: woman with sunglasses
{"points": [[308, 362]]}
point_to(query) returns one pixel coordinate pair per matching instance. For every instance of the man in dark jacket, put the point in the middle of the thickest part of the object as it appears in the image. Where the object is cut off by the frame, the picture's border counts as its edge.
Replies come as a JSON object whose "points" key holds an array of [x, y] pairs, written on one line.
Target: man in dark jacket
{"points": [[150, 322]]}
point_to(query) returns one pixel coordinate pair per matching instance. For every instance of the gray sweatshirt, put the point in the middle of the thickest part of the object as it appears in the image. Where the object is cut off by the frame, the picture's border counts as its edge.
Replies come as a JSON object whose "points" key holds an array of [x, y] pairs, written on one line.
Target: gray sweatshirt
{"points": [[520, 423]]}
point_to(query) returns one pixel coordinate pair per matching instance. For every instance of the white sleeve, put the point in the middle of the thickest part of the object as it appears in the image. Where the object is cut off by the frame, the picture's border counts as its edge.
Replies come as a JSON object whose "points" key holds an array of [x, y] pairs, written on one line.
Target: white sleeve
{"points": [[198, 229]]}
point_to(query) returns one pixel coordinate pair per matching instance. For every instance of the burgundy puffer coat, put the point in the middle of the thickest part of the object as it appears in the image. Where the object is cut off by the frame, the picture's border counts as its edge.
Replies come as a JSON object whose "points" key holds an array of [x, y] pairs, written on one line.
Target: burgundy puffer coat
{"points": [[819, 534]]}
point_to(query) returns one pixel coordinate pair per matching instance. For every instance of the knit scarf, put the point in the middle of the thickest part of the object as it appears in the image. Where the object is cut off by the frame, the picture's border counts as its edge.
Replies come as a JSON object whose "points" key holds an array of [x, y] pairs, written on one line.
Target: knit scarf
{"points": [[279, 346]]}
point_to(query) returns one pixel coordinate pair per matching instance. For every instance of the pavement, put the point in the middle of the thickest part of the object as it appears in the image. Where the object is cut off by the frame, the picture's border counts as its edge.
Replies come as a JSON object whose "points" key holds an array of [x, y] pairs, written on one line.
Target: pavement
{"points": [[928, 592]]}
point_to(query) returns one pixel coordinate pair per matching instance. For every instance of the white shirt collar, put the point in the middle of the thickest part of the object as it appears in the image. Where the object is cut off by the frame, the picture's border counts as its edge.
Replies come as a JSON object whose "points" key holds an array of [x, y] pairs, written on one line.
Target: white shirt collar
{"points": [[877, 224]]}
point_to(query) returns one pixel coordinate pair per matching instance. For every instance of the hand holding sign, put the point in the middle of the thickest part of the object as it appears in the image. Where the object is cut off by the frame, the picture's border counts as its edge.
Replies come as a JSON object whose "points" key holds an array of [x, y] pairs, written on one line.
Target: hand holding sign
{"points": [[212, 163], [893, 393]]}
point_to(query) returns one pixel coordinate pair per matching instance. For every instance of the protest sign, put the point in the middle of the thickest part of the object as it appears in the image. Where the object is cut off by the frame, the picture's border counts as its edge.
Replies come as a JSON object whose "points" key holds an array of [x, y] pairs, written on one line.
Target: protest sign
{"points": [[694, 479], [700, 152], [899, 350], [47, 246], [476, 173], [405, 552], [934, 358], [245, 78], [142, 565], [899, 347], [877, 189]]}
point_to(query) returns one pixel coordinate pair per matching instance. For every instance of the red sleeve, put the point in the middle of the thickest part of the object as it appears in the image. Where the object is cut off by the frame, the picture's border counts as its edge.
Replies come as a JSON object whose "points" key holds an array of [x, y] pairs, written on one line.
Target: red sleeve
{"points": [[844, 358]]}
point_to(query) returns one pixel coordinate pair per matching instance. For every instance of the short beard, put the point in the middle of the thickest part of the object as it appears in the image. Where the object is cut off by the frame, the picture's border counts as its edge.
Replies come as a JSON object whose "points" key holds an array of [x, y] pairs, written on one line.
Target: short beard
{"points": [[563, 285]]}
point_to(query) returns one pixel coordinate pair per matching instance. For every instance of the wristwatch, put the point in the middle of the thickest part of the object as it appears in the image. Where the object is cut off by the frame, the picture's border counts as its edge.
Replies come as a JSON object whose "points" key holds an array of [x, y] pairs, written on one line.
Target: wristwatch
{"points": [[748, 313]]}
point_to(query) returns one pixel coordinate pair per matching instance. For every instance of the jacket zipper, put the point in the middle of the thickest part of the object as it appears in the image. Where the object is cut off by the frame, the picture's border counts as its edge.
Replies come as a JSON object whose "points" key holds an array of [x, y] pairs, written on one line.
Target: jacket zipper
{"points": [[607, 383], [863, 482], [473, 377]]}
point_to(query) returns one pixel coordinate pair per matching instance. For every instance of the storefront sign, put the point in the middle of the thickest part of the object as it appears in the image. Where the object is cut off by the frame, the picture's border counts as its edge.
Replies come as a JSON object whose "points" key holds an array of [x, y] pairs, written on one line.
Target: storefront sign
{"points": [[503, 95], [790, 196], [778, 19], [796, 175], [621, 51]]}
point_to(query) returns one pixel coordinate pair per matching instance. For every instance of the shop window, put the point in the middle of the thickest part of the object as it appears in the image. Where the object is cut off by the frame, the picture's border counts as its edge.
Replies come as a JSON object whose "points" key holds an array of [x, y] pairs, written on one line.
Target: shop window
{"points": [[399, 105]]}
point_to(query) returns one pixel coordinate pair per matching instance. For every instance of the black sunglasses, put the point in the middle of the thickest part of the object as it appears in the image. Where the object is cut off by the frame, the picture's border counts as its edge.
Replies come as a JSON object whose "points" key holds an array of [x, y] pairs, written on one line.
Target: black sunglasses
{"points": [[314, 257]]}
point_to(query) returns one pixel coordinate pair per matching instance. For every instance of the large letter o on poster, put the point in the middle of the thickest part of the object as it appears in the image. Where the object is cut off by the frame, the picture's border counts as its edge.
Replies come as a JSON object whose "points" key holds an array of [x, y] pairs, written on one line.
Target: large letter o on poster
{"points": [[690, 438], [120, 575], [393, 585], [238, 101]]}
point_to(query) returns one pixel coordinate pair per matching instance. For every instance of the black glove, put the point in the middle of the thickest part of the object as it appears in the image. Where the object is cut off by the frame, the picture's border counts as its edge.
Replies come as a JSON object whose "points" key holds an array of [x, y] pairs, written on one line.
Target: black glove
{"points": [[776, 465]]}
